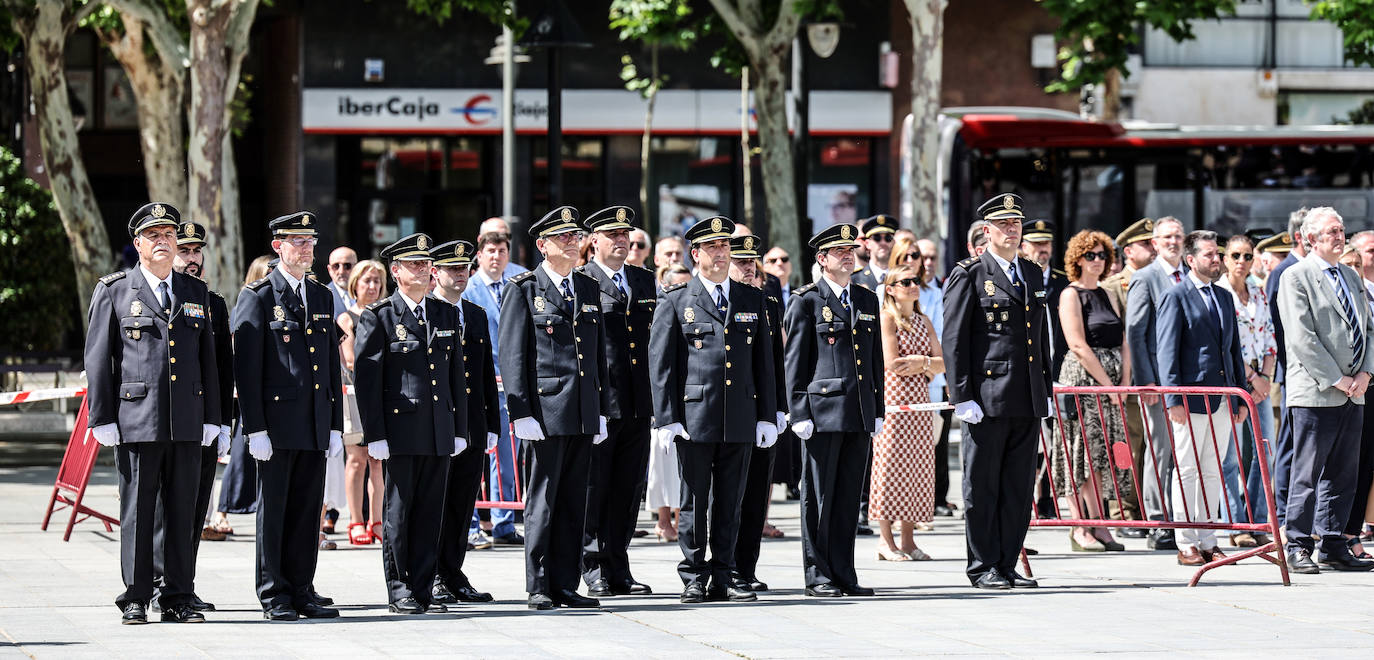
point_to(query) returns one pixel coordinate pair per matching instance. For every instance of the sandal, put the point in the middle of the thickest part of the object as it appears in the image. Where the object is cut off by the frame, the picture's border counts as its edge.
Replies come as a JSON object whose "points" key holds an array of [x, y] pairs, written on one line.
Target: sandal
{"points": [[769, 531], [1354, 541], [326, 544], [917, 554], [376, 532], [885, 554], [358, 534], [221, 525]]}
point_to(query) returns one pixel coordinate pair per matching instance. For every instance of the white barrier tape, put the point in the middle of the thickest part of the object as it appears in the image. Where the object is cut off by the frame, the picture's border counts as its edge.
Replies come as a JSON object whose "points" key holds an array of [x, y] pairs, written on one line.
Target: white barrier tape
{"points": [[11, 398], [920, 407]]}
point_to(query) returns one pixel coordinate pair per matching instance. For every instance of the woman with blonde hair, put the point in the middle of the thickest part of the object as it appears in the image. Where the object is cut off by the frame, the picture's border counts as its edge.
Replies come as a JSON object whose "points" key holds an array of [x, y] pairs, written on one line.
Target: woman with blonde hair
{"points": [[1097, 356], [366, 285], [903, 478]]}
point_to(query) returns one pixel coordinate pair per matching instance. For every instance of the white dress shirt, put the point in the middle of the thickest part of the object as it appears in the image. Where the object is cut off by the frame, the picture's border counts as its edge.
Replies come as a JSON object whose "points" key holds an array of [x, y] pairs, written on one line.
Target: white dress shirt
{"points": [[296, 286]]}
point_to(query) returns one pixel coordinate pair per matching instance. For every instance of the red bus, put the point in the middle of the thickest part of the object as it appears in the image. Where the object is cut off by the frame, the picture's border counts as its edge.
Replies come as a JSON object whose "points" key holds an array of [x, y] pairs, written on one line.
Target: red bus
{"points": [[1093, 175]]}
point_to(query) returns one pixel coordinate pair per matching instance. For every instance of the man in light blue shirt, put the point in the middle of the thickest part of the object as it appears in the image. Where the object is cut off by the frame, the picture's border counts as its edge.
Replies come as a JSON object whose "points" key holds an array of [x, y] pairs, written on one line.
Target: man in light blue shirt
{"points": [[932, 302]]}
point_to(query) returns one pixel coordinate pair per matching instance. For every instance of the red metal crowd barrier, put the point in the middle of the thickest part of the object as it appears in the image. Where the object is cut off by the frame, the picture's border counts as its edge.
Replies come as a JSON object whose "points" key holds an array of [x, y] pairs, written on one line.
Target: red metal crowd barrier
{"points": [[504, 500], [1126, 479], [73, 477]]}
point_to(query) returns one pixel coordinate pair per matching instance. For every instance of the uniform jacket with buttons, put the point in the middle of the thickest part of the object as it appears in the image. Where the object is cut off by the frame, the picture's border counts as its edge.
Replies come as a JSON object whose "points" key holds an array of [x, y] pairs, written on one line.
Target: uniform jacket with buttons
{"points": [[713, 374], [411, 388], [286, 363], [996, 343], [224, 355], [627, 322], [553, 362], [834, 359], [479, 372], [154, 376]]}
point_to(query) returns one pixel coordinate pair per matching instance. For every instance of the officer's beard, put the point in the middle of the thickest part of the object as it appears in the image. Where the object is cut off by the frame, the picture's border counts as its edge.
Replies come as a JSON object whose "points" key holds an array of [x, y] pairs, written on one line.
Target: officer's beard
{"points": [[193, 270]]}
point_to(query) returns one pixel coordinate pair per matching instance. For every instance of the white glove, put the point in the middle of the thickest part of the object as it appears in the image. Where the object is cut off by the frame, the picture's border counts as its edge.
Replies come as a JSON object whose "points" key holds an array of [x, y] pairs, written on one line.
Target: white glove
{"points": [[223, 440], [665, 434], [208, 433], [335, 444], [804, 428], [379, 450], [1049, 406], [600, 436], [492, 439], [528, 429], [260, 446], [766, 435], [968, 412], [106, 434], [877, 426], [782, 421], [459, 444]]}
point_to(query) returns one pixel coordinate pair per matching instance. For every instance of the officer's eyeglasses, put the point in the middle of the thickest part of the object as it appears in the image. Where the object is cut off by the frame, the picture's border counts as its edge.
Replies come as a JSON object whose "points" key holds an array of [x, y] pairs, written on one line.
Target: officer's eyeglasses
{"points": [[907, 282], [300, 241], [881, 238], [570, 237], [1239, 256], [1094, 256]]}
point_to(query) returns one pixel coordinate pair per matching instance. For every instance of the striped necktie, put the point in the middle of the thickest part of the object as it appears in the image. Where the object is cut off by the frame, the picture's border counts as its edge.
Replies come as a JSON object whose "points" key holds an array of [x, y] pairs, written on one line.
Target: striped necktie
{"points": [[1348, 307]]}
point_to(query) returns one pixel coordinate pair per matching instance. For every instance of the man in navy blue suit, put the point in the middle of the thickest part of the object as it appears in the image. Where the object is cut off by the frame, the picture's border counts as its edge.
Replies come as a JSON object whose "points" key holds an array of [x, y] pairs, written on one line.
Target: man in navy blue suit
{"points": [[1199, 346]]}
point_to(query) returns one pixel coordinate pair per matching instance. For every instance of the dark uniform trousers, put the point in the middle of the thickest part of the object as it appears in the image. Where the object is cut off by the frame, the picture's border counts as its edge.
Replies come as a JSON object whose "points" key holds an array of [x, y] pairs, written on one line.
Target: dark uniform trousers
{"points": [[695, 349], [834, 373], [132, 370], [286, 363], [465, 469], [619, 465], [996, 346], [419, 420], [753, 513], [553, 367]]}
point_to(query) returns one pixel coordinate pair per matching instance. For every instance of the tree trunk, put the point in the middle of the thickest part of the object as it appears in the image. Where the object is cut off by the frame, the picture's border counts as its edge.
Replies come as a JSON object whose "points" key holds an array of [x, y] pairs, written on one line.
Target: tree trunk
{"points": [[219, 40], [227, 275], [927, 39], [1111, 96], [646, 146], [43, 29], [159, 89], [745, 153]]}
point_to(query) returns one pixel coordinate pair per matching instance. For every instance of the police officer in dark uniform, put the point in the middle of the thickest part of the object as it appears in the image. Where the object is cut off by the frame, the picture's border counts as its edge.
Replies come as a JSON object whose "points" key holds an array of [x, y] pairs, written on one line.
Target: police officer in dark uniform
{"points": [[834, 358], [758, 483], [714, 389], [452, 266], [878, 231], [1037, 244], [153, 394], [286, 363], [997, 354], [553, 368], [190, 260], [619, 466], [410, 380]]}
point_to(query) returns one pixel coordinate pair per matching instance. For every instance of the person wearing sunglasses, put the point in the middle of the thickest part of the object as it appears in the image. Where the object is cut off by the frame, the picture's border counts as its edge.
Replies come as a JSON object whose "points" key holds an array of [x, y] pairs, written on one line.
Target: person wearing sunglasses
{"points": [[1096, 357], [639, 249], [341, 263], [1259, 350], [778, 263], [876, 237]]}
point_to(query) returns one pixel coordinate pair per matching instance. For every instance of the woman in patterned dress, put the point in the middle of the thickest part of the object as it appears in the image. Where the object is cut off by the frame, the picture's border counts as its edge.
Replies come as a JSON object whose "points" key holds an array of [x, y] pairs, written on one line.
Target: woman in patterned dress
{"points": [[1097, 357], [903, 483]]}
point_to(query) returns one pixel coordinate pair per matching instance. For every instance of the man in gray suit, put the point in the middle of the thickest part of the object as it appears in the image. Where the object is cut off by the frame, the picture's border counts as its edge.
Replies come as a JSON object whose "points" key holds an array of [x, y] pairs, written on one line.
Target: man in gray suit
{"points": [[1328, 372], [1142, 300]]}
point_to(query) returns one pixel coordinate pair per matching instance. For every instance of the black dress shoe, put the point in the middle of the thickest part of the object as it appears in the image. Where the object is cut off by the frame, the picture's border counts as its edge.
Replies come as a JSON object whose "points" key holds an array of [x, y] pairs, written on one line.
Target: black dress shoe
{"points": [[280, 613], [181, 613], [406, 606], [436, 608], [943, 511], [1161, 539], [751, 583], [313, 611], [693, 593], [856, 590], [441, 594], [1300, 561], [540, 601], [600, 588], [793, 493], [134, 614], [316, 598], [570, 598], [467, 594], [733, 593], [825, 590], [1344, 561], [199, 605], [864, 530], [630, 587], [991, 580], [1019, 581], [1131, 533], [513, 538]]}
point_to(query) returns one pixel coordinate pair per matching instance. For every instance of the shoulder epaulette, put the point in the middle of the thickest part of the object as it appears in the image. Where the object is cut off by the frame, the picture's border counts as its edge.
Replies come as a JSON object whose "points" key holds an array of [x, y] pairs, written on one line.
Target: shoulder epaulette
{"points": [[113, 277], [315, 282], [1056, 271], [376, 305], [674, 287], [221, 298], [522, 277], [967, 262], [646, 269], [258, 284], [804, 289], [583, 273]]}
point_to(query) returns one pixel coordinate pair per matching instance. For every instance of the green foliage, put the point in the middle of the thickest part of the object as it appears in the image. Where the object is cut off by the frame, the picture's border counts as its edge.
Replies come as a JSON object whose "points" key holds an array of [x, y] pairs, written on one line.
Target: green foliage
{"points": [[1355, 18], [657, 24], [1361, 115], [499, 12], [1095, 34], [36, 275]]}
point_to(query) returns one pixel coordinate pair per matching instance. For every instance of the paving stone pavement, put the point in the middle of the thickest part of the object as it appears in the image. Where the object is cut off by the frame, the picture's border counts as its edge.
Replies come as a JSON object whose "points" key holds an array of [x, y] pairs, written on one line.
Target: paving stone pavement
{"points": [[56, 600]]}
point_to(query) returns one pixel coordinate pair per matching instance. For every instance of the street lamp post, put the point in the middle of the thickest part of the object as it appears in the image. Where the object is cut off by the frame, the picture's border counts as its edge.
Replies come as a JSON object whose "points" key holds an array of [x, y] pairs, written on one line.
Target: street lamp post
{"points": [[553, 30]]}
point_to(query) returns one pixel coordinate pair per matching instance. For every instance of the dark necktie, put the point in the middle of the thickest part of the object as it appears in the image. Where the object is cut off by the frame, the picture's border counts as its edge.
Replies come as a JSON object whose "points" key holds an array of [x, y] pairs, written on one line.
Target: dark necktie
{"points": [[1348, 307], [420, 313], [720, 299], [164, 296], [1178, 276], [567, 295], [496, 291], [1015, 281], [844, 300], [620, 284], [300, 300], [1210, 297]]}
